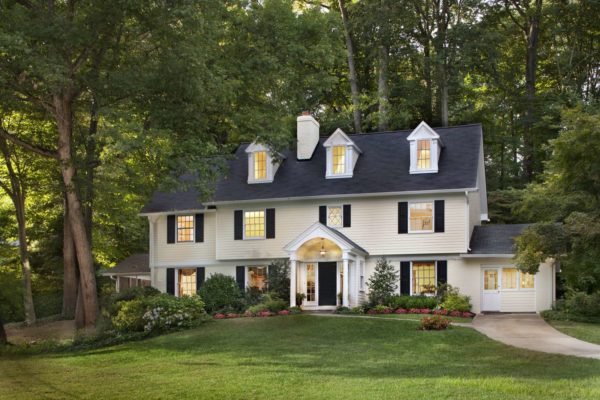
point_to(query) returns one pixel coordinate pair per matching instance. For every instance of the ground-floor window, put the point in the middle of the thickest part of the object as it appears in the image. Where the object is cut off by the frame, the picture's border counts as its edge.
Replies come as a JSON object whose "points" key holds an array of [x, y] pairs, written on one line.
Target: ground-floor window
{"points": [[187, 282], [257, 278], [311, 287], [514, 279], [423, 277], [527, 280]]}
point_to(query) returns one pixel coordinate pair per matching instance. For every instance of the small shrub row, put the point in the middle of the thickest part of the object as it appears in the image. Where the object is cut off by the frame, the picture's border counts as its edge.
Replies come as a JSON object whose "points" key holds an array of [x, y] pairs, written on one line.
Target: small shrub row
{"points": [[262, 312], [388, 310], [409, 302]]}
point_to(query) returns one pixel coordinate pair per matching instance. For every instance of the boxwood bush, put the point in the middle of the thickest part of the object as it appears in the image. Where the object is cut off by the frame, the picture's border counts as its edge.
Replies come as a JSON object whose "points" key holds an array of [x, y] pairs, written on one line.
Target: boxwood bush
{"points": [[408, 302], [220, 292]]}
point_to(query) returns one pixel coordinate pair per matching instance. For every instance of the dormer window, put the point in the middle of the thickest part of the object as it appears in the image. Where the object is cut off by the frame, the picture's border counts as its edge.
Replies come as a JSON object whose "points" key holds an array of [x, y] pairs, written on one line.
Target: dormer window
{"points": [[423, 154], [425, 149], [339, 160], [260, 165], [342, 154], [261, 168]]}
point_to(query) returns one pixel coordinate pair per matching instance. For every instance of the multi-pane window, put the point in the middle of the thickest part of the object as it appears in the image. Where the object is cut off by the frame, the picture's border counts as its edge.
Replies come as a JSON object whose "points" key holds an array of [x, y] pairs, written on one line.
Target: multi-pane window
{"points": [[509, 278], [185, 228], [527, 281], [421, 217], [260, 165], [311, 288], [490, 279], [257, 278], [362, 275], [423, 277], [334, 216], [187, 282], [254, 224], [424, 154], [339, 159]]}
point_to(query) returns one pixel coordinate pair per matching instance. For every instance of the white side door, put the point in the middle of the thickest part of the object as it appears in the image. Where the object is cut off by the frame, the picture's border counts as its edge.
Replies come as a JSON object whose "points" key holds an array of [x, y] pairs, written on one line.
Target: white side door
{"points": [[490, 289]]}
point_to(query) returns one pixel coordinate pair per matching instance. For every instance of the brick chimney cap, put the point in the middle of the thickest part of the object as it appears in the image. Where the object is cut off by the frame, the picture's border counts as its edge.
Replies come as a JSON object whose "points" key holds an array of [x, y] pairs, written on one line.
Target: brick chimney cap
{"points": [[305, 113]]}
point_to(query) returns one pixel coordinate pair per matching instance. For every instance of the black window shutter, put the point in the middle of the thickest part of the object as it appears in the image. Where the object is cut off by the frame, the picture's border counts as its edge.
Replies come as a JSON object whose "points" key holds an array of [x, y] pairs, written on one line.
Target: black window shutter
{"points": [[323, 215], [240, 277], [199, 228], [403, 217], [347, 215], [238, 221], [270, 223], [199, 278], [170, 229], [171, 281], [442, 272], [405, 277], [439, 215]]}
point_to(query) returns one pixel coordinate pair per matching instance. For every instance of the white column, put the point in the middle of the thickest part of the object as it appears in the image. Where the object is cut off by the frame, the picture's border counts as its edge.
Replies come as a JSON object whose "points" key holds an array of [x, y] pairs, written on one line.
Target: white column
{"points": [[345, 299], [293, 281], [151, 249]]}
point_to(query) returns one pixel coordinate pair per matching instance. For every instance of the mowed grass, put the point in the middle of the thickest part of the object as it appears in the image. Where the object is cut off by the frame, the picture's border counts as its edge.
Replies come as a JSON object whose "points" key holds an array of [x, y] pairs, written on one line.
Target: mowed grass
{"points": [[584, 331], [303, 357]]}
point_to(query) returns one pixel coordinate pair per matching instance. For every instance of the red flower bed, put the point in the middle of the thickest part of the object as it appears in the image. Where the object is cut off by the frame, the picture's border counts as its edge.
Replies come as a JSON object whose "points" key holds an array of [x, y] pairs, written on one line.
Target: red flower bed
{"points": [[264, 314], [371, 312], [456, 314], [468, 314], [232, 315], [219, 316], [401, 311], [284, 312], [441, 312], [425, 311], [387, 311], [414, 311]]}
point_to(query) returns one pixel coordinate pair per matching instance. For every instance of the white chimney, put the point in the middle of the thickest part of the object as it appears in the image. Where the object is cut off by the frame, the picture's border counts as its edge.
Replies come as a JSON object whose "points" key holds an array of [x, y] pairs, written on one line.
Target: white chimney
{"points": [[307, 135]]}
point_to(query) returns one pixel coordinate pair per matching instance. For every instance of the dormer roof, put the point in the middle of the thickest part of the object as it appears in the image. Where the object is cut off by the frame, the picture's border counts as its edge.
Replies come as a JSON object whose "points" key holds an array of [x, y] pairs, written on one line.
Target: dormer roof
{"points": [[424, 131], [339, 138]]}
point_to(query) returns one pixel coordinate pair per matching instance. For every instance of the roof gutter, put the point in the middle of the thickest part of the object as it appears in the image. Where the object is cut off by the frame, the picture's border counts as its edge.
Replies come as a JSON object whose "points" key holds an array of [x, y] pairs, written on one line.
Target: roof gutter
{"points": [[470, 255]]}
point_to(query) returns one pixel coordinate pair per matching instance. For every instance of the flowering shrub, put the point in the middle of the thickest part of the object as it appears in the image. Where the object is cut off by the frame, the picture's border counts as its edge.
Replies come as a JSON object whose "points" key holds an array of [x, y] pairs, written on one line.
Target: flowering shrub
{"points": [[283, 312], [371, 311], [382, 309], [414, 311], [425, 311], [232, 315], [435, 322], [468, 314], [455, 314], [440, 312], [457, 302], [264, 314], [219, 316], [159, 313], [401, 311]]}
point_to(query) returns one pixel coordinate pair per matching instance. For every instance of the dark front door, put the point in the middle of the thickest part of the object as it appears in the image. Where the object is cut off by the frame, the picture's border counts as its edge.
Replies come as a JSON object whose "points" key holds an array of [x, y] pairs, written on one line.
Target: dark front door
{"points": [[327, 286]]}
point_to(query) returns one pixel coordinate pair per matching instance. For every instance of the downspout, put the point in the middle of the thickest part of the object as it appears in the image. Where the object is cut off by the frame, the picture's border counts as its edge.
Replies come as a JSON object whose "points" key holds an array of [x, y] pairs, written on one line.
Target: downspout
{"points": [[467, 225]]}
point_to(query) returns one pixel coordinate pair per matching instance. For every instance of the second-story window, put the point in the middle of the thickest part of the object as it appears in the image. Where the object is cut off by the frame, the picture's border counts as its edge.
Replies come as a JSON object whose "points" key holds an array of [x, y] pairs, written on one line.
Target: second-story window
{"points": [[260, 165], [334, 216], [254, 224], [421, 217], [185, 228], [424, 154], [339, 159]]}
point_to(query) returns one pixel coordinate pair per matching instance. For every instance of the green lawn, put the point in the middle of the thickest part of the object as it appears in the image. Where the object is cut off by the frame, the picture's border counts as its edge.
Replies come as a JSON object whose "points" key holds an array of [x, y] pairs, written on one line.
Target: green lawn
{"points": [[588, 332], [303, 357]]}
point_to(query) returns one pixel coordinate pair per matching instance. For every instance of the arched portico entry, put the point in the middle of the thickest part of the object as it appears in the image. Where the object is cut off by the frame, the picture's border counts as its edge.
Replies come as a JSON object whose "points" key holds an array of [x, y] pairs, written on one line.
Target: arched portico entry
{"points": [[325, 266]]}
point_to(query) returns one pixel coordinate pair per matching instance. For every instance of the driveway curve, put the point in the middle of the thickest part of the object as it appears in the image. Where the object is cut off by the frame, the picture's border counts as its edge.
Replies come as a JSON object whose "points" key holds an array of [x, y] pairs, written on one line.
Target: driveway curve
{"points": [[529, 331]]}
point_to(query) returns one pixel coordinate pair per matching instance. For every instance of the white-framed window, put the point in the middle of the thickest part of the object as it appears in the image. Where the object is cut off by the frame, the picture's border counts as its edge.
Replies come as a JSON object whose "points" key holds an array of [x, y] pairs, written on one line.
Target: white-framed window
{"points": [[509, 278], [527, 281], [254, 224], [257, 278], [185, 228], [423, 277], [335, 216], [420, 216], [423, 154], [338, 159], [260, 165], [311, 283], [186, 282], [362, 275]]}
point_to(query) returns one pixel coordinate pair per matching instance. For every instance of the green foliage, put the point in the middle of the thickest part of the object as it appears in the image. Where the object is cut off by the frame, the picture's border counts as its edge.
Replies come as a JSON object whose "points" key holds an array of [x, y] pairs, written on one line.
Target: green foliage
{"points": [[435, 322], [504, 206], [159, 313], [270, 305], [408, 302], [383, 283], [578, 306], [278, 279], [456, 302], [300, 298], [220, 291]]}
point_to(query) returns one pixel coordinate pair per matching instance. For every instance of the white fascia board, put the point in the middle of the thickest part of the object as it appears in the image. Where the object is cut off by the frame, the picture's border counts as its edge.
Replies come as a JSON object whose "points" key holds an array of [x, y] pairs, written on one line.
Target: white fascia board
{"points": [[344, 196], [177, 212], [487, 255], [345, 138]]}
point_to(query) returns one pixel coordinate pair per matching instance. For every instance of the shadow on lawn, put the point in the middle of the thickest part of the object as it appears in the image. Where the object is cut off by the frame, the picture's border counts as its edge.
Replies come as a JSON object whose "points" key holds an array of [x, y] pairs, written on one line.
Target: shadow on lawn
{"points": [[361, 348]]}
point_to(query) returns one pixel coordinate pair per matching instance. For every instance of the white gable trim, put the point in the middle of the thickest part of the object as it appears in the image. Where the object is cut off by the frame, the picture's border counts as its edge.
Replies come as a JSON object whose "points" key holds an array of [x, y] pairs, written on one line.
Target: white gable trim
{"points": [[339, 138], [423, 131], [318, 230]]}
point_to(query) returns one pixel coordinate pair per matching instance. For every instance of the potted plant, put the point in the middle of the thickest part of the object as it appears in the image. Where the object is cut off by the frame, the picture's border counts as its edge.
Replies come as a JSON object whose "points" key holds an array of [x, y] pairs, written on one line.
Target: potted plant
{"points": [[299, 299]]}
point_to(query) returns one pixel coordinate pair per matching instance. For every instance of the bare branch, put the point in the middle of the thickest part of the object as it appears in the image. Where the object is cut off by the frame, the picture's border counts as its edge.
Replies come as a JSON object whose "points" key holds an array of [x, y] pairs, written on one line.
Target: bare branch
{"points": [[28, 146]]}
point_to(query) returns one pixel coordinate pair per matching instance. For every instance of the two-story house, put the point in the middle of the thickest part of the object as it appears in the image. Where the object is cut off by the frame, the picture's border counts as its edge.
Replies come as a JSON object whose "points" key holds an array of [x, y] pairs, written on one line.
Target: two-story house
{"points": [[335, 205]]}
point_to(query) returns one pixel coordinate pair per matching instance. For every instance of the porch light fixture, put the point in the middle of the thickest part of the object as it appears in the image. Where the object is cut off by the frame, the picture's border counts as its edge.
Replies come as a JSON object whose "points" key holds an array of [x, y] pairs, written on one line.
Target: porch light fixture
{"points": [[323, 252]]}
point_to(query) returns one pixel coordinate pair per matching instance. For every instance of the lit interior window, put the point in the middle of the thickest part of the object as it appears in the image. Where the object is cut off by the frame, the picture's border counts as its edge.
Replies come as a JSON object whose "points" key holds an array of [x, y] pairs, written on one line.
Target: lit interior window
{"points": [[254, 224], [339, 159], [527, 280], [334, 216], [423, 277], [421, 217], [260, 165], [257, 278], [424, 154], [311, 293], [187, 282], [509, 278], [185, 228]]}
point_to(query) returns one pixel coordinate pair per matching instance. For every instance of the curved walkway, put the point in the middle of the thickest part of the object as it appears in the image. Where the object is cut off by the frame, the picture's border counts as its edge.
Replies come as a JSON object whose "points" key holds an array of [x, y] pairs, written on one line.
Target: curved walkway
{"points": [[529, 331]]}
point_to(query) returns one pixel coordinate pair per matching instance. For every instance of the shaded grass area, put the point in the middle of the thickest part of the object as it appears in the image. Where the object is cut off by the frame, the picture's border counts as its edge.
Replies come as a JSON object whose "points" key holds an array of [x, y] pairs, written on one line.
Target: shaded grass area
{"points": [[303, 357], [580, 330]]}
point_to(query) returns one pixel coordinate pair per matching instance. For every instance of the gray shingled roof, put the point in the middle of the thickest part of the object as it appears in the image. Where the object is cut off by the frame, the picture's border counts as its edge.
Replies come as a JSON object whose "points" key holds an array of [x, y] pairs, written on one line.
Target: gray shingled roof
{"points": [[383, 167], [495, 239], [136, 264], [346, 238]]}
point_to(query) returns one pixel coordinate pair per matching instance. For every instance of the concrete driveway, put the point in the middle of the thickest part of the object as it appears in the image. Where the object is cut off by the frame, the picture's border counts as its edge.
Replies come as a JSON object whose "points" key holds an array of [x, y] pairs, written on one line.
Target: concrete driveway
{"points": [[529, 331]]}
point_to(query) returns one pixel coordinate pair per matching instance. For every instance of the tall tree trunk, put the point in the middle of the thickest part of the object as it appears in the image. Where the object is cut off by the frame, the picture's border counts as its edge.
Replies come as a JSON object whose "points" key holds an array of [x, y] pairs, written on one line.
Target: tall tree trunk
{"points": [[91, 162], [16, 192], [428, 114], [382, 88], [70, 278], [531, 38], [444, 97], [64, 118], [351, 69]]}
